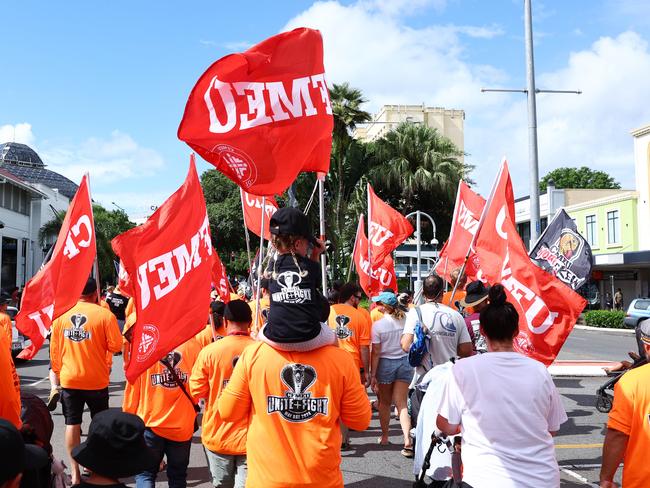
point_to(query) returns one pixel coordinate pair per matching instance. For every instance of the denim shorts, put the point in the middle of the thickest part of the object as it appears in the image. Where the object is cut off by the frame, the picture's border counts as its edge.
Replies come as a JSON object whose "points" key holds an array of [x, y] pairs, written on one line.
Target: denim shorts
{"points": [[392, 370]]}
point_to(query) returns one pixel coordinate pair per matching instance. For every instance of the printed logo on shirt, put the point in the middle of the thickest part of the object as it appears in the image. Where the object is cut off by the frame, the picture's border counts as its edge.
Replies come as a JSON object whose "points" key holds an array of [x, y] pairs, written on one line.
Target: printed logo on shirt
{"points": [[265, 316], [291, 292], [342, 330], [297, 404], [165, 379], [225, 382], [77, 333], [148, 342]]}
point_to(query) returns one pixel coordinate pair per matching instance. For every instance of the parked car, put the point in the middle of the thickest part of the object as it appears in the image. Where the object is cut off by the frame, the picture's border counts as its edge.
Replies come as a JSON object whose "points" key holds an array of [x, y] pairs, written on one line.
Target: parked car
{"points": [[638, 310], [18, 341]]}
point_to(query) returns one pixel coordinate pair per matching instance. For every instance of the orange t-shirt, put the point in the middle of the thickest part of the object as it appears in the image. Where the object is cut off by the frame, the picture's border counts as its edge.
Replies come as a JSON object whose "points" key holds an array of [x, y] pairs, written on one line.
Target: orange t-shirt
{"points": [[205, 337], [9, 385], [376, 314], [130, 307], [5, 325], [351, 328], [296, 401], [210, 375], [81, 345], [159, 402], [458, 296], [630, 415], [262, 317]]}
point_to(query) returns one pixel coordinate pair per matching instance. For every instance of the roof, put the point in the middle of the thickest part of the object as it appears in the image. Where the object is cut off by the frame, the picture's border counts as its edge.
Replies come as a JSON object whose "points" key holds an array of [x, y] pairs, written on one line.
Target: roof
{"points": [[6, 175], [22, 161]]}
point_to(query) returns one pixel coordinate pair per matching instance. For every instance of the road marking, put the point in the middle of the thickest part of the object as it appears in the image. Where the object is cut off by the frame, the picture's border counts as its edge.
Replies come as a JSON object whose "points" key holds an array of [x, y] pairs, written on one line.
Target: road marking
{"points": [[36, 383], [578, 477], [578, 446], [581, 466]]}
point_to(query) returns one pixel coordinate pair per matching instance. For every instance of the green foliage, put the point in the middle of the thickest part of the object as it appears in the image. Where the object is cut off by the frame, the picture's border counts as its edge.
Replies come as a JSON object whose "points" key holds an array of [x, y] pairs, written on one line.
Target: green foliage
{"points": [[614, 319], [582, 177]]}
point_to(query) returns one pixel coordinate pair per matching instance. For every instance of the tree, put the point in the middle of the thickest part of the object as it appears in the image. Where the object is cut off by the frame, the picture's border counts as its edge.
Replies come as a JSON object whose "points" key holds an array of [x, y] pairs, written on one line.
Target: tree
{"points": [[108, 224], [582, 177]]}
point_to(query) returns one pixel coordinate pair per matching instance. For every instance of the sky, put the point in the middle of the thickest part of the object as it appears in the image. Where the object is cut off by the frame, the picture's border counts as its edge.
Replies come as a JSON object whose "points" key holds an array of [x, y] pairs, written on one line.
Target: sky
{"points": [[101, 86]]}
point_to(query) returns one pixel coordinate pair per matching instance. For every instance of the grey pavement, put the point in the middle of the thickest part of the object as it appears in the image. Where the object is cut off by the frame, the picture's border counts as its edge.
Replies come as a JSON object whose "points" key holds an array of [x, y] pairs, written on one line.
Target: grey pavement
{"points": [[368, 465]]}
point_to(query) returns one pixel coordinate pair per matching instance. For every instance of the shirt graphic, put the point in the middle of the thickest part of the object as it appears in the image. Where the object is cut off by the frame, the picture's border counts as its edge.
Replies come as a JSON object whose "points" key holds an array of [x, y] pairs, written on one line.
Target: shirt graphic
{"points": [[290, 291], [76, 332], [342, 330], [297, 404], [165, 378]]}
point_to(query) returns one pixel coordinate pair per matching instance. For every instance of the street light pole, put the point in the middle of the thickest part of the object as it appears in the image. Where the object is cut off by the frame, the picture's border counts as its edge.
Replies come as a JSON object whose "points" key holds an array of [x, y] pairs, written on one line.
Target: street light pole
{"points": [[417, 289]]}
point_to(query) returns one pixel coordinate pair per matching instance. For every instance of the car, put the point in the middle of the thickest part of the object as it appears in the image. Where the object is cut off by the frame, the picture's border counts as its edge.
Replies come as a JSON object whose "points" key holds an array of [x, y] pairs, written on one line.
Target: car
{"points": [[638, 310], [18, 341]]}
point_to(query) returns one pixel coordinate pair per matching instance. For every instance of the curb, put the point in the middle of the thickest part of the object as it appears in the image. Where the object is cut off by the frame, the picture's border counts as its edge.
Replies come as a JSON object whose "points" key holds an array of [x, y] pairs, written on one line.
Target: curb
{"points": [[579, 368], [603, 329]]}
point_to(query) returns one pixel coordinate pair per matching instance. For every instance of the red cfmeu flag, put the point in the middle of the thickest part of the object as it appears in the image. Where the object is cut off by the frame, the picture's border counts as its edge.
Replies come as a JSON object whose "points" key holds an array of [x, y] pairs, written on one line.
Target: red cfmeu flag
{"points": [[124, 281], [56, 288], [220, 278], [381, 276], [264, 115], [169, 259], [548, 309], [252, 206], [467, 212], [387, 227]]}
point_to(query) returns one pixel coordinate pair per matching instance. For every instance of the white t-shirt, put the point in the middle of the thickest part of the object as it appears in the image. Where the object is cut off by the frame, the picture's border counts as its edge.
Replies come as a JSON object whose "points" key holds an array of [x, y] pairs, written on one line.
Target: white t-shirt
{"points": [[506, 404], [447, 330], [387, 331]]}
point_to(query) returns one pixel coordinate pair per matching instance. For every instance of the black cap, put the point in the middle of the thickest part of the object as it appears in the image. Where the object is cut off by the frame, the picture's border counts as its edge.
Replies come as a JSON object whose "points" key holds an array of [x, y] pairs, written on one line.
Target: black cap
{"points": [[5, 298], [91, 287], [291, 221], [16, 455], [238, 311], [476, 293]]}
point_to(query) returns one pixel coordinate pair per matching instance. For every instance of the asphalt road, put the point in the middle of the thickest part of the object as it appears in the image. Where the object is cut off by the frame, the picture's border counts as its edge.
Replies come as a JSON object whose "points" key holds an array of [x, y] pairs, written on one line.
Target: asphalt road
{"points": [[368, 465]]}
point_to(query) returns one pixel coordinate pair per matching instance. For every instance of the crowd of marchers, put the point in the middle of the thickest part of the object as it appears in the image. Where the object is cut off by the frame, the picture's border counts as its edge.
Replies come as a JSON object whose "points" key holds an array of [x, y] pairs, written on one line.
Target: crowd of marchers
{"points": [[280, 383]]}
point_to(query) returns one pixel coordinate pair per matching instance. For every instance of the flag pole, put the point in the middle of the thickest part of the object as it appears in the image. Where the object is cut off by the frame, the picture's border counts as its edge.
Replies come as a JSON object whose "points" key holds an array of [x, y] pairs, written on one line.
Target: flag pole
{"points": [[260, 268], [96, 262], [246, 234], [321, 212], [354, 249], [369, 243]]}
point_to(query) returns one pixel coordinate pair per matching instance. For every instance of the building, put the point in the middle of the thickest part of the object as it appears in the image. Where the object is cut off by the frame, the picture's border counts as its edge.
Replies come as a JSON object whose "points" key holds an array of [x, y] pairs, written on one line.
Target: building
{"points": [[448, 122], [30, 195], [614, 222]]}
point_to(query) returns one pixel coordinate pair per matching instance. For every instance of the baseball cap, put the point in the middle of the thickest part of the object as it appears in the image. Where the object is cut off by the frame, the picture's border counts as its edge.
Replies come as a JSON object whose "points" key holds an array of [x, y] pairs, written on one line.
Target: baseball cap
{"points": [[387, 298], [238, 311], [291, 221], [16, 455], [91, 286], [644, 331]]}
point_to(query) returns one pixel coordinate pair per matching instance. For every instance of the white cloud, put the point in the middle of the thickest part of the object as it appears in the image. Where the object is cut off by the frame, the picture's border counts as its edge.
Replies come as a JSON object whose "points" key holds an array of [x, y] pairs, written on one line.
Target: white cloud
{"points": [[393, 63], [237, 46], [17, 133], [479, 32], [136, 204], [108, 160]]}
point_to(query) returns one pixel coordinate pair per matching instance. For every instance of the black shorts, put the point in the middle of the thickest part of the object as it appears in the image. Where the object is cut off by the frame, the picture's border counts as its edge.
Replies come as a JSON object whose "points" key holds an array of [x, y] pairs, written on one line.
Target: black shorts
{"points": [[73, 402]]}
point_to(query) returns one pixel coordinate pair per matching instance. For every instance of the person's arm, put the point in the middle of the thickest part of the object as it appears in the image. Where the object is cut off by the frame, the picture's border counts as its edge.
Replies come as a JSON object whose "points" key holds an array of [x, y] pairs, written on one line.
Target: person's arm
{"points": [[113, 336], [365, 362], [613, 453], [199, 379], [55, 348], [131, 398], [235, 400], [409, 330], [374, 357], [451, 407], [355, 407], [464, 348], [446, 427]]}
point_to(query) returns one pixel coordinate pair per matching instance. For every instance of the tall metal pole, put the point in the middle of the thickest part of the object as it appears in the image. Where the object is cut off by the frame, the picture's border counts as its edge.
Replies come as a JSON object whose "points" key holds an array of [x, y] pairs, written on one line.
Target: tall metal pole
{"points": [[260, 269], [418, 281], [321, 212], [532, 125], [369, 235]]}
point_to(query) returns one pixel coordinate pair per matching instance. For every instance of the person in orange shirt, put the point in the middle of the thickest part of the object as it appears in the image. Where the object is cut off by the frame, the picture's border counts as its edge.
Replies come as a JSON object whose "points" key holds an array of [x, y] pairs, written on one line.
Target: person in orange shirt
{"points": [[224, 442], [168, 413], [5, 320], [628, 428], [212, 334], [9, 385], [82, 341], [295, 402], [259, 319], [460, 292]]}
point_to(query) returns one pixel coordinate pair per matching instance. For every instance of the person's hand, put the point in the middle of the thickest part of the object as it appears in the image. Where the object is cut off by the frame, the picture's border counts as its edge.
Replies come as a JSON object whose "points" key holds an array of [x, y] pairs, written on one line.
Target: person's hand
{"points": [[608, 484], [373, 385], [319, 248], [364, 379]]}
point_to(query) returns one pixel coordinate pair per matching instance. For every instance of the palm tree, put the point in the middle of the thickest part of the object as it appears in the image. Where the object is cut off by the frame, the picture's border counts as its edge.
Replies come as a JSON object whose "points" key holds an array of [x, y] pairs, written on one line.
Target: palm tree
{"points": [[346, 108]]}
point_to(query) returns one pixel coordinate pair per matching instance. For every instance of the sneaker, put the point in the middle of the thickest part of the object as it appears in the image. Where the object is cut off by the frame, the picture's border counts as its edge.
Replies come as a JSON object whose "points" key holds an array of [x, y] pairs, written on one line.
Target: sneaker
{"points": [[53, 399]]}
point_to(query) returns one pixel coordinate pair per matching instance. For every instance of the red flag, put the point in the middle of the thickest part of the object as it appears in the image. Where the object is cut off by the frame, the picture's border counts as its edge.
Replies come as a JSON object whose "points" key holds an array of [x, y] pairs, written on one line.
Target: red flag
{"points": [[171, 256], [124, 281], [467, 212], [380, 277], [57, 286], [387, 227], [220, 278], [252, 206], [548, 309], [264, 115]]}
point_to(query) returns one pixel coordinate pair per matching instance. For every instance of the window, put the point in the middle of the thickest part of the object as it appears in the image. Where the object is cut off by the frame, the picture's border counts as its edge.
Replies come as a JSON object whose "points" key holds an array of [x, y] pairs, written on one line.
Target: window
{"points": [[591, 230], [642, 304], [613, 227], [524, 232]]}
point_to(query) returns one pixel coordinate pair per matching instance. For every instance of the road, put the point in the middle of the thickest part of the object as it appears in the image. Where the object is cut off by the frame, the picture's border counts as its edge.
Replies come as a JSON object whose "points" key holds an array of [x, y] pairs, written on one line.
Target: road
{"points": [[367, 465]]}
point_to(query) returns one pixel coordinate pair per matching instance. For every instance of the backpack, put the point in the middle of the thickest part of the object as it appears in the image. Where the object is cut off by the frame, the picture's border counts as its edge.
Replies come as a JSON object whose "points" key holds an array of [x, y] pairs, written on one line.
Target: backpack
{"points": [[420, 340]]}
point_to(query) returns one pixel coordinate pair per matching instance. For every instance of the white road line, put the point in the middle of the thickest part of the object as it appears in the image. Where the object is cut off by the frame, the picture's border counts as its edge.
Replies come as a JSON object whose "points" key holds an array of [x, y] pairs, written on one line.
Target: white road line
{"points": [[581, 466], [36, 383], [578, 477]]}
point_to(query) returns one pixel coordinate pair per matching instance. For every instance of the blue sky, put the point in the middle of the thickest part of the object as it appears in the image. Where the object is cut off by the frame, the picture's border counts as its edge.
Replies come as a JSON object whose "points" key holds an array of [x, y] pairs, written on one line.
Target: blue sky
{"points": [[102, 85]]}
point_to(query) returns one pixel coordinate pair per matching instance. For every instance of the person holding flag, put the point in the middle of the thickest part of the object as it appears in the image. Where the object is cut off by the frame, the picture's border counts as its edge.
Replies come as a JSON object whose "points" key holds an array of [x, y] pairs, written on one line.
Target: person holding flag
{"points": [[81, 347]]}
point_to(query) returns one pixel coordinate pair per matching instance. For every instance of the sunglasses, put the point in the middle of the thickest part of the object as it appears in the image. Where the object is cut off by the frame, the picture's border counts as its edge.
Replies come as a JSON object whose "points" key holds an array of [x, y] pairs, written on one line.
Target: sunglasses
{"points": [[358, 297]]}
